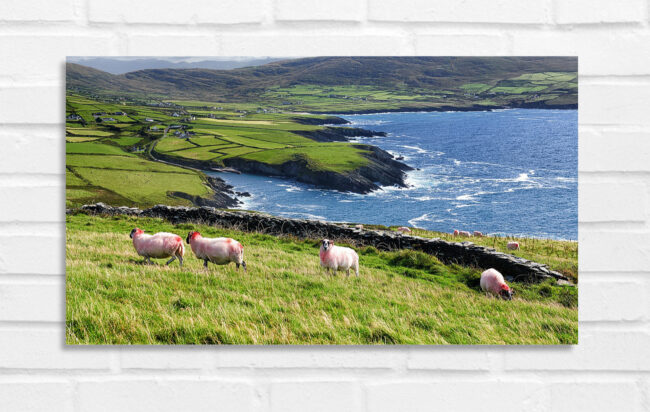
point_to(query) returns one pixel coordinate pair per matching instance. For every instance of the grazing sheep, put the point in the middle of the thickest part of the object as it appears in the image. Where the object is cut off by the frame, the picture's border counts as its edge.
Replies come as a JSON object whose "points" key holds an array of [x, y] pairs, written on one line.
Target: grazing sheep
{"points": [[358, 227], [456, 232], [160, 245], [220, 251], [513, 245], [492, 282], [464, 233], [338, 257], [478, 234], [404, 229]]}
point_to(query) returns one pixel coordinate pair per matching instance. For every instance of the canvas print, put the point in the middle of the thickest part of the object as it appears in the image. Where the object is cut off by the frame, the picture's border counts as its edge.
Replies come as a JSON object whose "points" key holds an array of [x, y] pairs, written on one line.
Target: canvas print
{"points": [[321, 200]]}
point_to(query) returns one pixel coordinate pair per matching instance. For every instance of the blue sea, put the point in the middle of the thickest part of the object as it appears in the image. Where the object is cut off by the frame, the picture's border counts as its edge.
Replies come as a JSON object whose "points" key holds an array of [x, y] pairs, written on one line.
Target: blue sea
{"points": [[511, 172]]}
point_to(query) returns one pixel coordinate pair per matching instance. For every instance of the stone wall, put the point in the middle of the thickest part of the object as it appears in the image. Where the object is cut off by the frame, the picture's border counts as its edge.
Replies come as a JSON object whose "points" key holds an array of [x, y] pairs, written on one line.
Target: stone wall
{"points": [[465, 253]]}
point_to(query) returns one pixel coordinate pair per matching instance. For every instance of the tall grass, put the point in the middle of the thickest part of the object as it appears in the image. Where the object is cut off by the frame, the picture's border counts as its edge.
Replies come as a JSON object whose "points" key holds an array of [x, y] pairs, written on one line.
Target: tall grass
{"points": [[402, 297]]}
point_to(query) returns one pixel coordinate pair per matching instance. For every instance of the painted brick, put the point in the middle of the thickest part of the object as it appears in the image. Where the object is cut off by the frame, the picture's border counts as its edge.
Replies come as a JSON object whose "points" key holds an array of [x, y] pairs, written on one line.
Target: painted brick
{"points": [[198, 11], [36, 396], [599, 11], [453, 395], [315, 396], [42, 57], [613, 251], [41, 147], [19, 206], [167, 358], [37, 10], [618, 151], [174, 45], [16, 255], [33, 302], [471, 11], [612, 300], [315, 357], [165, 395], [34, 104], [600, 51], [450, 358], [464, 44], [300, 45], [595, 396], [614, 103], [617, 200], [334, 10], [45, 349], [598, 350]]}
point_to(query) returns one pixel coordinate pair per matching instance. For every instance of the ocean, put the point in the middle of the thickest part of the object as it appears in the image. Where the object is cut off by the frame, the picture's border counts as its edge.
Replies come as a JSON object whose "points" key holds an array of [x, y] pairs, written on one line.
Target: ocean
{"points": [[504, 172]]}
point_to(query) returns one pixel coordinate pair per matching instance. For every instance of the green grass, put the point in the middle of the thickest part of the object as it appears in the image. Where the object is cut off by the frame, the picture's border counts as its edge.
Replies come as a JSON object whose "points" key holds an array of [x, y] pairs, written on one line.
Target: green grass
{"points": [[325, 157], [559, 255], [94, 148], [145, 188], [285, 298]]}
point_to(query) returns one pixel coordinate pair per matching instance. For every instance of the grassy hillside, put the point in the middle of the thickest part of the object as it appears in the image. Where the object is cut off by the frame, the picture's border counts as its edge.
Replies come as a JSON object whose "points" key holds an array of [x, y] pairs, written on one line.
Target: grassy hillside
{"points": [[400, 298], [328, 84], [559, 255]]}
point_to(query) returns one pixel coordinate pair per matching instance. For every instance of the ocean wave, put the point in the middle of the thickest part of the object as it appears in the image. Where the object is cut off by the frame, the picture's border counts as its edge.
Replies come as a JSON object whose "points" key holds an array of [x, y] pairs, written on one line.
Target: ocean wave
{"points": [[416, 148], [423, 218]]}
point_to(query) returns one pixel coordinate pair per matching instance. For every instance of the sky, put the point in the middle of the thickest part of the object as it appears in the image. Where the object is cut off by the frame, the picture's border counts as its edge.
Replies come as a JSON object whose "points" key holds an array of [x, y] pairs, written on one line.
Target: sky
{"points": [[120, 65]]}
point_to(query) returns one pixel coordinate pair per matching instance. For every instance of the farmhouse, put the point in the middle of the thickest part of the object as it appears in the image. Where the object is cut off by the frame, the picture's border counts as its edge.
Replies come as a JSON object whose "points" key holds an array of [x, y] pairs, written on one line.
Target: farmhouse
{"points": [[73, 117], [119, 114], [149, 119], [108, 119]]}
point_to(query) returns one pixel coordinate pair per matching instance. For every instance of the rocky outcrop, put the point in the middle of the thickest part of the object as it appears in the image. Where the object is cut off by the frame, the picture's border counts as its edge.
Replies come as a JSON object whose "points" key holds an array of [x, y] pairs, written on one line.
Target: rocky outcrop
{"points": [[466, 253], [319, 121], [381, 170], [337, 134]]}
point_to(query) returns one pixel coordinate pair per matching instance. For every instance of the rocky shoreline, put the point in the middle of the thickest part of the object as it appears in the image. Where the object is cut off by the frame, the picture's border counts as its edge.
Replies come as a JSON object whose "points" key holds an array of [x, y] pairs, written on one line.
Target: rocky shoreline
{"points": [[465, 253]]}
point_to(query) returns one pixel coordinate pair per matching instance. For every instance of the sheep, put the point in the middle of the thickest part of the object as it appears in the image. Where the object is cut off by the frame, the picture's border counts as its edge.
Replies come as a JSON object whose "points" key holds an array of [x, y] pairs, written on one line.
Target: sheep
{"points": [[456, 232], [157, 246], [513, 245], [358, 226], [338, 257], [404, 229], [492, 282], [478, 234], [220, 251], [464, 233]]}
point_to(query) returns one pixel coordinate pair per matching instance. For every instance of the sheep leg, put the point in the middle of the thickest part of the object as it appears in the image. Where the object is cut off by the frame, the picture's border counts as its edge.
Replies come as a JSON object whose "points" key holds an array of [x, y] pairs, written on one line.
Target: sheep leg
{"points": [[348, 272], [205, 263], [180, 260], [243, 263], [171, 260]]}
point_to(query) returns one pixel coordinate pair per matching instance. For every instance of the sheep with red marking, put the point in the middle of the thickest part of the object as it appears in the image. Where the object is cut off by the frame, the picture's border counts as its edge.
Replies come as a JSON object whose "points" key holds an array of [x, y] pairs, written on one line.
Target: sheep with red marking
{"points": [[338, 257], [220, 251], [513, 245], [158, 246], [464, 233], [404, 229], [456, 232], [492, 282]]}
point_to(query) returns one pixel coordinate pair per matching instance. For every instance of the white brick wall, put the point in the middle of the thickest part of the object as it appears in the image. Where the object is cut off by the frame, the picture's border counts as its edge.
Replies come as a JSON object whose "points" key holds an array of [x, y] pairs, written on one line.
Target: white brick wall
{"points": [[608, 370]]}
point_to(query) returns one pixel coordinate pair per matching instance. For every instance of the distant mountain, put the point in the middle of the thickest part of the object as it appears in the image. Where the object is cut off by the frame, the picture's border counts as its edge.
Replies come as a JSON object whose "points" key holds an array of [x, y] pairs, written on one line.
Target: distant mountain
{"points": [[241, 83], [120, 66]]}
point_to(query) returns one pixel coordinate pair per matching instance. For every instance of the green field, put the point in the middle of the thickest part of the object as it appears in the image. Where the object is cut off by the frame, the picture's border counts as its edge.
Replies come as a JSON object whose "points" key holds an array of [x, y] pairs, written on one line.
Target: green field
{"points": [[101, 172], [285, 298]]}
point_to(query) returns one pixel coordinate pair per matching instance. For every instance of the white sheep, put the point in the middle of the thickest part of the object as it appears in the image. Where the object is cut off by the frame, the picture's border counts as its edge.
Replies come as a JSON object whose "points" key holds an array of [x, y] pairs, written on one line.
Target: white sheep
{"points": [[338, 257], [220, 251], [358, 226], [513, 245], [157, 246], [492, 282], [404, 229], [464, 233], [478, 234]]}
